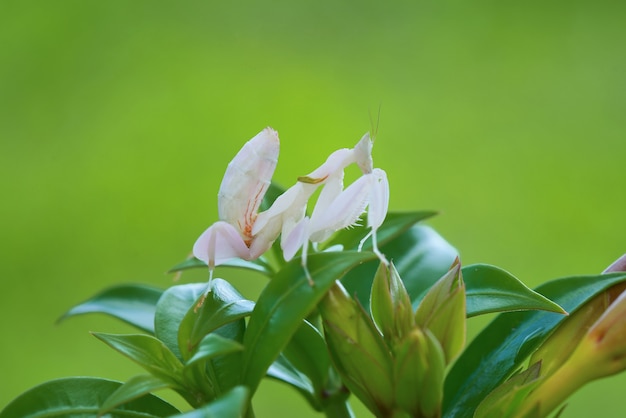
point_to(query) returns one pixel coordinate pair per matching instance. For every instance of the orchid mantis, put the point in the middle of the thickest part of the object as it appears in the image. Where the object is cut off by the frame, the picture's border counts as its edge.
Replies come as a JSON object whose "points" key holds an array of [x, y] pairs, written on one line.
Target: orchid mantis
{"points": [[243, 232]]}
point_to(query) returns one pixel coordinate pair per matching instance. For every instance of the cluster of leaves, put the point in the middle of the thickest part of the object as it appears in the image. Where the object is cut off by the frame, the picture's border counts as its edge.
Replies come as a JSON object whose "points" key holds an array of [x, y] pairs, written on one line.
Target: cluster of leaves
{"points": [[215, 348]]}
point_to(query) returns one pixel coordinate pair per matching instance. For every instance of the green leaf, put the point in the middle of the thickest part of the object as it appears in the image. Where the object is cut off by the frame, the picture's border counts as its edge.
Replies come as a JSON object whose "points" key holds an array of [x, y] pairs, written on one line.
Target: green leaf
{"points": [[506, 399], [284, 371], [223, 304], [133, 388], [307, 352], [305, 365], [491, 289], [171, 309], [223, 371], [285, 301], [132, 303], [148, 352], [507, 341], [214, 345], [233, 404], [421, 257], [80, 397], [258, 265], [395, 224]]}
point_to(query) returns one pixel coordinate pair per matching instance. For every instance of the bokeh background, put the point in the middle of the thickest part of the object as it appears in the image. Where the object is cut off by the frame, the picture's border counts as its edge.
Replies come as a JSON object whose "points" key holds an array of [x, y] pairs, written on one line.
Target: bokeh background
{"points": [[118, 118]]}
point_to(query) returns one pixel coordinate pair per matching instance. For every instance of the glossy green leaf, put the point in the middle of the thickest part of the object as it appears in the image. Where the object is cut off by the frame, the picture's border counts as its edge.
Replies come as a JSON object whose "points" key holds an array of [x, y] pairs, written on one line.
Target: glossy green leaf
{"points": [[148, 352], [491, 289], [223, 304], [213, 345], [171, 310], [307, 352], [232, 404], [174, 305], [258, 265], [506, 399], [282, 370], [132, 303], [133, 388], [285, 301], [81, 397], [507, 341], [395, 224], [305, 365], [421, 257]]}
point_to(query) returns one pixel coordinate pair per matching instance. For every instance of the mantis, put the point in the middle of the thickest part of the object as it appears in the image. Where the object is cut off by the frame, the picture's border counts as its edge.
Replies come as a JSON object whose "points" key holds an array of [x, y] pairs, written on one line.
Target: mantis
{"points": [[245, 233]]}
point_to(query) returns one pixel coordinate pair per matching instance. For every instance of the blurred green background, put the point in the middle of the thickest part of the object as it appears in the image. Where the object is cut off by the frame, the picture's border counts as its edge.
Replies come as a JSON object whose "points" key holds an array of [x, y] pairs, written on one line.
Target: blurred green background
{"points": [[118, 118]]}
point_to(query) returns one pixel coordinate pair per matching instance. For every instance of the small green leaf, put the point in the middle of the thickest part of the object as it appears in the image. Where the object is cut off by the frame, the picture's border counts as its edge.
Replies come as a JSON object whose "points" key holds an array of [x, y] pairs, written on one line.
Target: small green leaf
{"points": [[81, 397], [307, 352], [421, 257], [222, 305], [285, 301], [132, 389], [224, 370], [507, 341], [232, 404], [491, 289], [171, 310], [258, 265], [286, 372], [132, 303], [213, 345], [148, 352]]}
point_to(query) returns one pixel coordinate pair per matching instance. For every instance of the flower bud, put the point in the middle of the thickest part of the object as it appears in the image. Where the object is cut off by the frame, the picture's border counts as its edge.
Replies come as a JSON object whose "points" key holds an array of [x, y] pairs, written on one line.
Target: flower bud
{"points": [[419, 369], [390, 304], [564, 340], [358, 350], [442, 311]]}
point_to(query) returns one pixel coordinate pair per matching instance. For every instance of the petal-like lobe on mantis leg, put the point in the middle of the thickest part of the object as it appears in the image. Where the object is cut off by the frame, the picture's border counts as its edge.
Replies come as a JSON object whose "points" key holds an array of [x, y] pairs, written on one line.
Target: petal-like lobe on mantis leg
{"points": [[294, 239], [379, 198], [335, 163], [343, 211], [246, 180], [220, 242]]}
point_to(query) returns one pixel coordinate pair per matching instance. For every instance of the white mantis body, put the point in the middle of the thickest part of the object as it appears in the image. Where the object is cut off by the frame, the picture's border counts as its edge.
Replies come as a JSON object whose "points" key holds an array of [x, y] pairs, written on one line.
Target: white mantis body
{"points": [[243, 232]]}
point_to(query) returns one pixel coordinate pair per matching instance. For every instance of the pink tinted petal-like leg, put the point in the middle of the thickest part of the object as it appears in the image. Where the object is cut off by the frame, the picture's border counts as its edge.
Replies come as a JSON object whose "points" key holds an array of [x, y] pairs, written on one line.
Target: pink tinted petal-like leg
{"points": [[220, 242], [295, 239]]}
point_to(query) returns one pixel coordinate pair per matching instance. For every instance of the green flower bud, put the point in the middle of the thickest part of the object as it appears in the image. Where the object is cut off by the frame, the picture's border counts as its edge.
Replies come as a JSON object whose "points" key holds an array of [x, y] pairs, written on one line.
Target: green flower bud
{"points": [[419, 369], [390, 304], [442, 311], [358, 350]]}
